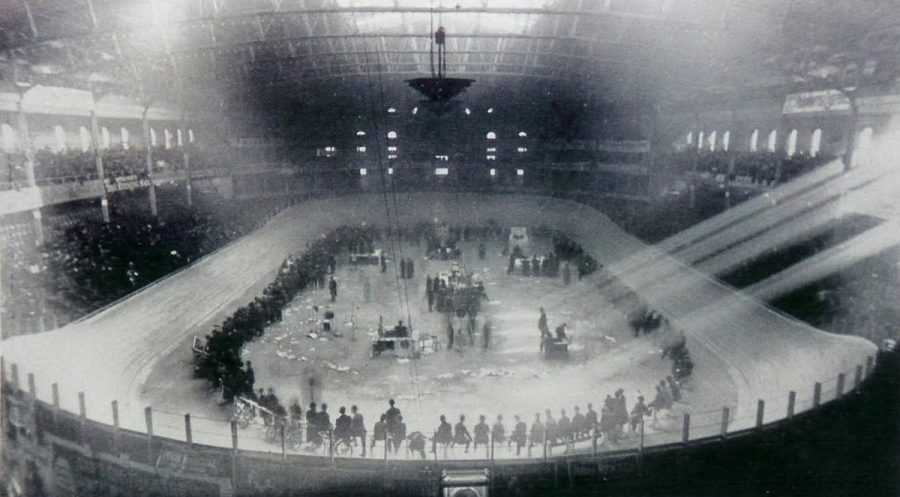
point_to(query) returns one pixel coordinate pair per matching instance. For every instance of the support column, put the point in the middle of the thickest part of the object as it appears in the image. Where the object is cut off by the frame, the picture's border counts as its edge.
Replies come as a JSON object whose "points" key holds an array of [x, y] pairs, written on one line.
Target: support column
{"points": [[98, 159], [145, 126], [28, 152]]}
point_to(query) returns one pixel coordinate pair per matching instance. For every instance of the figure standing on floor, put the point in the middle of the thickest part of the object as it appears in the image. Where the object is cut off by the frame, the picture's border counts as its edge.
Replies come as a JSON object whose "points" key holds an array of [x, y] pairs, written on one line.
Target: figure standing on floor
{"points": [[332, 288]]}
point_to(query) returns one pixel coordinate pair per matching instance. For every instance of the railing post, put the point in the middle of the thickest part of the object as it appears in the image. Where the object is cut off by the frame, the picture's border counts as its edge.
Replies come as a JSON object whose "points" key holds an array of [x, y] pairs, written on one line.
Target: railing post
{"points": [[364, 443], [115, 415], [433, 448], [840, 385], [148, 417], [492, 447], [546, 455], [760, 412], [54, 392], [686, 428], [284, 443], [594, 444], [82, 416], [817, 394], [234, 453], [188, 435], [869, 363], [857, 379], [726, 416], [792, 400], [641, 446]]}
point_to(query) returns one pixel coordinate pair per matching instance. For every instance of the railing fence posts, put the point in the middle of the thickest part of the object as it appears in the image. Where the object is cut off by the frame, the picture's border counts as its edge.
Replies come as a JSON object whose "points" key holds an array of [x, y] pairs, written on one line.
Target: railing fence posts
{"points": [[760, 412], [817, 394], [726, 417], [234, 453], [54, 392], [840, 385], [792, 400], [148, 417], [115, 414], [188, 435], [82, 417]]}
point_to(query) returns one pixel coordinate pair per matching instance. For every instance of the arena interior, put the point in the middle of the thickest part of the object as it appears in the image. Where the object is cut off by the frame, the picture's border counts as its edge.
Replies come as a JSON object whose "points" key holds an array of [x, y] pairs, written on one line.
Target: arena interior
{"points": [[568, 247]]}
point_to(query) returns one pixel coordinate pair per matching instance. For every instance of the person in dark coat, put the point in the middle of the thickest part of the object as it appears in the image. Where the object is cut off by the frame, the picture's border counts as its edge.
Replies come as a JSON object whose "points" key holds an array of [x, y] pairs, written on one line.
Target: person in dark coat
{"points": [[621, 411], [429, 293], [342, 425], [543, 328], [638, 411], [461, 434], [537, 431], [332, 288], [324, 419], [590, 418], [578, 420], [357, 425], [444, 433], [519, 434], [415, 444], [550, 426], [674, 389], [564, 427], [379, 431], [312, 427], [498, 431], [482, 433]]}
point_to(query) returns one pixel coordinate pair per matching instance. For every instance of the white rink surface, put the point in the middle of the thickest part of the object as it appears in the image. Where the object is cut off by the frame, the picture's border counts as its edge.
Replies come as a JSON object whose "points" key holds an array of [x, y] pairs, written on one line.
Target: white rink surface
{"points": [[110, 354]]}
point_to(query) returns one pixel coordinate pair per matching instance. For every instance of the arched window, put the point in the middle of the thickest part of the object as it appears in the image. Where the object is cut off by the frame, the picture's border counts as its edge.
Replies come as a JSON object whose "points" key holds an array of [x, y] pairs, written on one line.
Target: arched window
{"points": [[815, 143], [690, 138], [85, 138], [726, 140], [791, 148], [104, 138], [190, 135], [180, 139], [125, 137], [491, 135], [153, 139], [59, 138], [754, 140], [392, 135], [523, 134], [9, 138], [712, 141], [167, 137], [360, 133], [701, 139], [773, 140]]}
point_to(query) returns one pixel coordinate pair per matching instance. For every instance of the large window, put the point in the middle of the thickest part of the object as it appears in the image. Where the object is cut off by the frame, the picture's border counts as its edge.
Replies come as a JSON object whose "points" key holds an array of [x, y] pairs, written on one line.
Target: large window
{"points": [[491, 135], [153, 140], [125, 138], [726, 140], [815, 143], [179, 137], [700, 139], [791, 148], [167, 136], [104, 138], [690, 138], [85, 138], [392, 135], [712, 141], [754, 140], [59, 138], [9, 138], [773, 140]]}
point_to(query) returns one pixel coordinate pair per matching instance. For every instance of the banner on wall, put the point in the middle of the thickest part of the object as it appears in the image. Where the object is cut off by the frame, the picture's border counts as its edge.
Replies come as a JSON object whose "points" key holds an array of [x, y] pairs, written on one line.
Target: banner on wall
{"points": [[816, 101]]}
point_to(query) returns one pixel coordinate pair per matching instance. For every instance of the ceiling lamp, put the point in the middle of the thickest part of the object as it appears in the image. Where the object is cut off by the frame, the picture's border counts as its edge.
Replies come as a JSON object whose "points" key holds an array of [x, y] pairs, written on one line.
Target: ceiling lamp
{"points": [[439, 88]]}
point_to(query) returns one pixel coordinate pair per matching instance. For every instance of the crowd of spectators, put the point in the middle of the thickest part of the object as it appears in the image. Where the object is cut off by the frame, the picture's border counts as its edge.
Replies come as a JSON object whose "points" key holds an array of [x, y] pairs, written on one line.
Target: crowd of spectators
{"points": [[86, 264], [755, 168]]}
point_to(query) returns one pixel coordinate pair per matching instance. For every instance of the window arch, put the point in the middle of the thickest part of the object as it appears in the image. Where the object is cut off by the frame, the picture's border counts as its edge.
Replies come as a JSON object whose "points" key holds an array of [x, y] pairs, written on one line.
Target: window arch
{"points": [[815, 143], [754, 140], [690, 138], [791, 148], [104, 138], [523, 134], [179, 137], [360, 133], [59, 138], [701, 139], [85, 138], [125, 137], [491, 135], [190, 135], [9, 138], [712, 141], [167, 138], [392, 135], [773, 140], [153, 139], [726, 140]]}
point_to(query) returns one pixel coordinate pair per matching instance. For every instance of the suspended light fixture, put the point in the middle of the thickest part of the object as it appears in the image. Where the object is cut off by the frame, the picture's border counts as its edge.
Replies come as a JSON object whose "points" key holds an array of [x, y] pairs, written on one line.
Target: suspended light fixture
{"points": [[439, 88]]}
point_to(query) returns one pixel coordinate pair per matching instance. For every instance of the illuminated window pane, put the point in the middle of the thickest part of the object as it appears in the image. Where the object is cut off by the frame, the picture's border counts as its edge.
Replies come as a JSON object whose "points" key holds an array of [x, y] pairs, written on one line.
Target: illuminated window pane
{"points": [[792, 143], [360, 133], [726, 141], [190, 135], [773, 140], [59, 136], [361, 149], [104, 138], [523, 134], [441, 171], [85, 136], [392, 135], [520, 172], [491, 135], [493, 172], [690, 138], [712, 141], [125, 137], [815, 144], [363, 171], [153, 140], [700, 139], [754, 140], [522, 150]]}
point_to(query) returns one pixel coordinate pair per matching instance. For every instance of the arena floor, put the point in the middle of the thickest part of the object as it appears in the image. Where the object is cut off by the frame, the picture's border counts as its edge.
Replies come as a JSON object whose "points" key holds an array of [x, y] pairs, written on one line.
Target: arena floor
{"points": [[137, 351]]}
